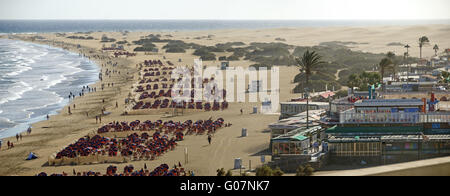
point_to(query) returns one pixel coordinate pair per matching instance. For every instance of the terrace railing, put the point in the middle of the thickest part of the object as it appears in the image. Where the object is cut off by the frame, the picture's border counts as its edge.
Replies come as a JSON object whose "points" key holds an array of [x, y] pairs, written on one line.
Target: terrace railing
{"points": [[351, 117]]}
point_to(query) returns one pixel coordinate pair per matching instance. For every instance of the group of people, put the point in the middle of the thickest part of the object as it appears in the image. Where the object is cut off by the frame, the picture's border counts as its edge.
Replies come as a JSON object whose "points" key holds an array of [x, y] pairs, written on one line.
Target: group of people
{"points": [[85, 89], [10, 144], [162, 170], [126, 53]]}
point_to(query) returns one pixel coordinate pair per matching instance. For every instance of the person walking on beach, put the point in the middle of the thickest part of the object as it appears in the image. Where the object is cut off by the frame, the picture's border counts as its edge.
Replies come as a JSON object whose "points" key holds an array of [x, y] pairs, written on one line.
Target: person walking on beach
{"points": [[9, 144], [117, 104], [29, 130], [17, 137], [100, 119], [48, 117], [242, 112], [209, 139], [69, 110], [20, 136], [1, 144]]}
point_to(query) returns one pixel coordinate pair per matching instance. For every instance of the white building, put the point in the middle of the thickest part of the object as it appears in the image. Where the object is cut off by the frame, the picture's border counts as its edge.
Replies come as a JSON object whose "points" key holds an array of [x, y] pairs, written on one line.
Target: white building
{"points": [[289, 109]]}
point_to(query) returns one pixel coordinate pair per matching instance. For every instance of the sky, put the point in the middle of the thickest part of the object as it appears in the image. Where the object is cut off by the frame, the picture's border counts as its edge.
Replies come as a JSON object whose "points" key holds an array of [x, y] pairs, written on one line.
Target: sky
{"points": [[226, 9]]}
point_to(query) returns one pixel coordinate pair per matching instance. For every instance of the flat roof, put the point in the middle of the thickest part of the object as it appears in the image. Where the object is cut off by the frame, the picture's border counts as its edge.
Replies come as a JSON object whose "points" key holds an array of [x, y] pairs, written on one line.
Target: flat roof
{"points": [[343, 139], [297, 134], [304, 103], [335, 139], [298, 120], [388, 102], [415, 137]]}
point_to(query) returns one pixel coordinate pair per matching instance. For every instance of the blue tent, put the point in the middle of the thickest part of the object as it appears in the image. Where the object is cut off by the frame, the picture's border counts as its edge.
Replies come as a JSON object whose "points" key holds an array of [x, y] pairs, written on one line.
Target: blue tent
{"points": [[31, 156]]}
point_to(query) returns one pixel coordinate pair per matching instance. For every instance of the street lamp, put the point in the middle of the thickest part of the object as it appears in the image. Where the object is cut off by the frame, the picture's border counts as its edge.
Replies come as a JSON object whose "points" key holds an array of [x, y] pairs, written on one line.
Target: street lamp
{"points": [[407, 65], [307, 107]]}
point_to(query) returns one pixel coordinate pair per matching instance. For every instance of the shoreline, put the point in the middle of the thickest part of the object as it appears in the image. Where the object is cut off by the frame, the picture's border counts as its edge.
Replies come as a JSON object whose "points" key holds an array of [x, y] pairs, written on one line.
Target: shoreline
{"points": [[22, 127], [79, 114]]}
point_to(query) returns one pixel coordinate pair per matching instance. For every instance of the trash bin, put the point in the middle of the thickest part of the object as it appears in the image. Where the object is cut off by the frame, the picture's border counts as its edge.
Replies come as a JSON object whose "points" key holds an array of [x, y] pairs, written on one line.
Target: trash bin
{"points": [[237, 163], [244, 132]]}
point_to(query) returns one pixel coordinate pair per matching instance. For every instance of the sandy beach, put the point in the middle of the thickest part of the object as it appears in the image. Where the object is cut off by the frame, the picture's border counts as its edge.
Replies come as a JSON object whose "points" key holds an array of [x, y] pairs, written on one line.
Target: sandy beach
{"points": [[63, 129]]}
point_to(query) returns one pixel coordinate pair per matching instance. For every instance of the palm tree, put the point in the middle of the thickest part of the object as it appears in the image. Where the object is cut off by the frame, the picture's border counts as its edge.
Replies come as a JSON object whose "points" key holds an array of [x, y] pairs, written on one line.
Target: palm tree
{"points": [[308, 62], [354, 81], [422, 42], [391, 56], [385, 62], [435, 48]]}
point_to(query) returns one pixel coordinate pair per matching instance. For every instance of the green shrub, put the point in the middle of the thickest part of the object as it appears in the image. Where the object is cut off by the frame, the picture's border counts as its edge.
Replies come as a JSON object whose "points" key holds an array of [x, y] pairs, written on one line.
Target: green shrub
{"points": [[229, 173], [277, 172], [175, 50], [221, 172], [122, 42], [264, 171], [147, 48]]}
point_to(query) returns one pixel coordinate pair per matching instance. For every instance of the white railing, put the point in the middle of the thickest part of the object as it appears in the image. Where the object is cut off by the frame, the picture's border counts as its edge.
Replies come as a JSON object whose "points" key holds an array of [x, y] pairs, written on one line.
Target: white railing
{"points": [[435, 117], [351, 117]]}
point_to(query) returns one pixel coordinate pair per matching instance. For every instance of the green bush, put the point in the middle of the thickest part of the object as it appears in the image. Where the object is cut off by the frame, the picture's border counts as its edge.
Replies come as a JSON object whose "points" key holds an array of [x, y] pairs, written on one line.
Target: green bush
{"points": [[122, 42], [147, 48], [306, 170], [264, 171], [341, 93], [229, 173], [309, 170], [175, 50], [205, 53], [233, 58], [107, 39], [277, 172], [221, 172], [81, 37]]}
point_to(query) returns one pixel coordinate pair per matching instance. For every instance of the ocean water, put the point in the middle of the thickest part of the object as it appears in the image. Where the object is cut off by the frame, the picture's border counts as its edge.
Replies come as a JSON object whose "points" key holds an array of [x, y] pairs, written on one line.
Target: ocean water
{"points": [[35, 80], [39, 26]]}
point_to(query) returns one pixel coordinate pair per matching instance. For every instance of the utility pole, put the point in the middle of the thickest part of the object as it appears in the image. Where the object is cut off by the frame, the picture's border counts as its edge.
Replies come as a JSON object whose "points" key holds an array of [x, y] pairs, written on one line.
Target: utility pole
{"points": [[307, 107], [407, 65], [418, 146]]}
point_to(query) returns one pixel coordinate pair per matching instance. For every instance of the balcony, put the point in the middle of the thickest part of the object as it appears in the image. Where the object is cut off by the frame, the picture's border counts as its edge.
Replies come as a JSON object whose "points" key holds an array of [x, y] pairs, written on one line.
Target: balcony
{"points": [[351, 117]]}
